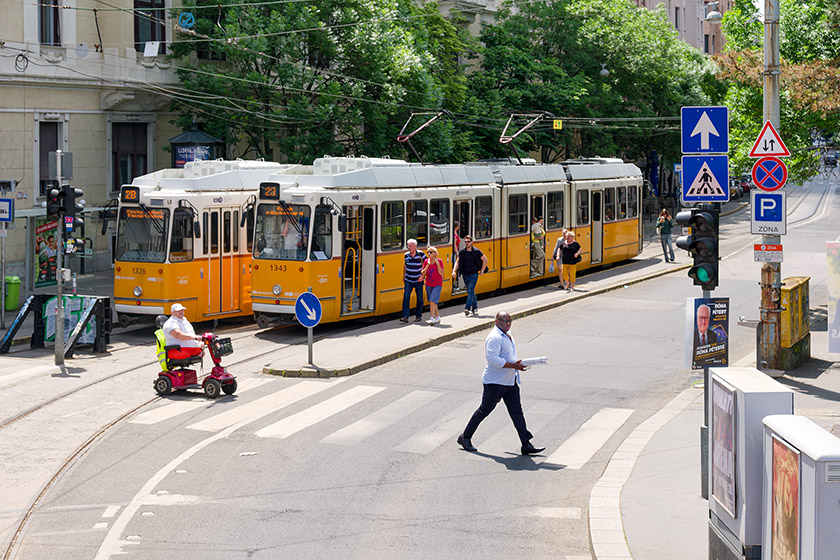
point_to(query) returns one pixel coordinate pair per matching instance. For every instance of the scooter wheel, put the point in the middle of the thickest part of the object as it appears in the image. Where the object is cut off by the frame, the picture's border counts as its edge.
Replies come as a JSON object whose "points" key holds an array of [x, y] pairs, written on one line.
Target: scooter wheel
{"points": [[230, 388], [163, 385], [212, 388]]}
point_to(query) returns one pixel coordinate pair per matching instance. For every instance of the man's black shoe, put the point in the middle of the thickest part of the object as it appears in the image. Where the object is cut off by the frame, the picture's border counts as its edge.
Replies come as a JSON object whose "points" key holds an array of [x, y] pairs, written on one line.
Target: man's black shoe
{"points": [[466, 443], [529, 449]]}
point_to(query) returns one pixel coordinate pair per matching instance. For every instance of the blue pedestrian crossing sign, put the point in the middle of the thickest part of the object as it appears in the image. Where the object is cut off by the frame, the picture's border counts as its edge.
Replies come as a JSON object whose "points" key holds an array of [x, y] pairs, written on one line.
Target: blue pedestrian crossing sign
{"points": [[308, 309], [705, 130], [705, 178]]}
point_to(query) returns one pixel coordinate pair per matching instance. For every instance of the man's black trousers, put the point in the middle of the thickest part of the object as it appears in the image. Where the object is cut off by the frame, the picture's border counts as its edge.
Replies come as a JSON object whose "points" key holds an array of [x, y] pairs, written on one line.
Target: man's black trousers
{"points": [[494, 393]]}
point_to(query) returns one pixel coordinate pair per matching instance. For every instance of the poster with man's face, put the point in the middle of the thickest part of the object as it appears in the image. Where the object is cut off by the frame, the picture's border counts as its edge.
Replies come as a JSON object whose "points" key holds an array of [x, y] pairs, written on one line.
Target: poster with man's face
{"points": [[707, 332]]}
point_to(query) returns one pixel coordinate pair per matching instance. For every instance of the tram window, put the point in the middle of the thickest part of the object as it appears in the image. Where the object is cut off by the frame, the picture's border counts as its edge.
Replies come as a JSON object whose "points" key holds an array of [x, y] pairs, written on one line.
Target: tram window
{"points": [[181, 243], [622, 203], [227, 232], [393, 219], [633, 201], [141, 235], [249, 229], [439, 222], [483, 217], [214, 232], [236, 231], [321, 234], [206, 230], [281, 231], [554, 216], [609, 204], [582, 207], [417, 226], [518, 214]]}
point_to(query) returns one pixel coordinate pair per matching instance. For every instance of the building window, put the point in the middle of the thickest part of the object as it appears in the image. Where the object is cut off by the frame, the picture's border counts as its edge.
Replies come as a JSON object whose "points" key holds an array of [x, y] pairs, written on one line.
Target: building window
{"points": [[149, 24], [677, 18], [48, 137], [706, 43], [129, 147], [49, 28]]}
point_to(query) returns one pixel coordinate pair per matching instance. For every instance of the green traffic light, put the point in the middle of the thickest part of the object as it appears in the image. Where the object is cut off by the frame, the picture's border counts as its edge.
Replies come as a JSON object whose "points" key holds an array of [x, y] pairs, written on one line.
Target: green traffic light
{"points": [[702, 274]]}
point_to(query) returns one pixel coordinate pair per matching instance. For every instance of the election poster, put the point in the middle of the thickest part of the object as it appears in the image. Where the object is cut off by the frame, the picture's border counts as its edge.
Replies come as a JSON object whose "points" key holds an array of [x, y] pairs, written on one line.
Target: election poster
{"points": [[707, 327], [723, 445], [46, 243], [784, 515], [832, 250]]}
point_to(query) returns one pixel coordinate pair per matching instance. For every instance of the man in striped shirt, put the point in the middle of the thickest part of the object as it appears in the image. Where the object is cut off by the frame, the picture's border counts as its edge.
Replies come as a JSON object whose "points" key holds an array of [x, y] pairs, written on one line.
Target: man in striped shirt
{"points": [[411, 276]]}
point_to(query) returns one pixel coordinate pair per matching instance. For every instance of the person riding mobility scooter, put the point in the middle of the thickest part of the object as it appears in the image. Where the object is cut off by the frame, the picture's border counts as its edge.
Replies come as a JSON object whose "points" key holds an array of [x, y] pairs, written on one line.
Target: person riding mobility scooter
{"points": [[174, 373]]}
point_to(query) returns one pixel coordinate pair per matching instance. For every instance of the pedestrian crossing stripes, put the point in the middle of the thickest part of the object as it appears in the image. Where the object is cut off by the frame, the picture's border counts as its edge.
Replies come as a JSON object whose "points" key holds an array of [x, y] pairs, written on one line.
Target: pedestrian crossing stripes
{"points": [[496, 437], [15, 376]]}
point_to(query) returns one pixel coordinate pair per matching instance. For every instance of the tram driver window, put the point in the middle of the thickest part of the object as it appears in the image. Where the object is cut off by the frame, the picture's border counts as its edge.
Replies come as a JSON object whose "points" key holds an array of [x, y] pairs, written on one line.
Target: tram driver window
{"points": [[609, 204], [582, 207], [417, 226], [439, 222], [622, 203], [632, 201], [181, 244], [321, 249], [554, 214], [483, 217], [517, 214], [393, 219]]}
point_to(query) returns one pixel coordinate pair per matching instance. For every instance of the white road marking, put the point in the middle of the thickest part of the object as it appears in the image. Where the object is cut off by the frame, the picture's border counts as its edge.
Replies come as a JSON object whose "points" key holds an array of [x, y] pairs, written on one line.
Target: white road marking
{"points": [[101, 525], [110, 511], [68, 532], [321, 411], [174, 409], [12, 378], [436, 435], [589, 438], [262, 406], [506, 440], [381, 419]]}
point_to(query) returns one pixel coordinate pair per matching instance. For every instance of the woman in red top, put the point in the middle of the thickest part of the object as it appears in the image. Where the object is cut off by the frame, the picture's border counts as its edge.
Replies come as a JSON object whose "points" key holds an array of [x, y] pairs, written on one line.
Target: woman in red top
{"points": [[432, 275]]}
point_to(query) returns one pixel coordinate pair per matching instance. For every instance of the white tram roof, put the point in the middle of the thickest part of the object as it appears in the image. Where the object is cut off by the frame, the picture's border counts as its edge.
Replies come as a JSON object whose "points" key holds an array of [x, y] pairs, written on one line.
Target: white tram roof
{"points": [[212, 175]]}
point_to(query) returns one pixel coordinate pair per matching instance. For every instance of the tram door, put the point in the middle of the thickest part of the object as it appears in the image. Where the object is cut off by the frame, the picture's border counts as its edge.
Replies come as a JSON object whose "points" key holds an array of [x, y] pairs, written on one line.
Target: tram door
{"points": [[462, 212], [223, 278], [358, 261], [537, 249], [597, 249]]}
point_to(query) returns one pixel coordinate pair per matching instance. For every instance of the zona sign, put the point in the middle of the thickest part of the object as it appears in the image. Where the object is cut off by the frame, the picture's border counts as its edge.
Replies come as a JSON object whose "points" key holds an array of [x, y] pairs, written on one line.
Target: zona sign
{"points": [[769, 174]]}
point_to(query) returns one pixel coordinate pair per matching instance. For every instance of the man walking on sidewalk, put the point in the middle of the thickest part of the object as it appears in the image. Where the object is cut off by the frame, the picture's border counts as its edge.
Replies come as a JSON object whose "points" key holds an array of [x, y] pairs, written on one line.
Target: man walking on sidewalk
{"points": [[412, 268], [501, 382], [471, 263]]}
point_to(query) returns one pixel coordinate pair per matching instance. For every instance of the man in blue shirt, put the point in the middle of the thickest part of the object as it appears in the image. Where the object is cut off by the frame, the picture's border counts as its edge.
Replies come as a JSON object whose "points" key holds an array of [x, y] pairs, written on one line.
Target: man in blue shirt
{"points": [[412, 267], [501, 382]]}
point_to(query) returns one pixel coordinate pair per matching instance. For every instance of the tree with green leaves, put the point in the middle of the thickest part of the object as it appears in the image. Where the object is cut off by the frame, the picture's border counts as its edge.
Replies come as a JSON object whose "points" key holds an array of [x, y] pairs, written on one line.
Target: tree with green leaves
{"points": [[291, 80]]}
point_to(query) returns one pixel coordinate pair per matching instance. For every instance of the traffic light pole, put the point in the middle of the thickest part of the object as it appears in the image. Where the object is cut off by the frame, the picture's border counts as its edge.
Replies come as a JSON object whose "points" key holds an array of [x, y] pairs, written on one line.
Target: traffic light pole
{"points": [[768, 335], [59, 278]]}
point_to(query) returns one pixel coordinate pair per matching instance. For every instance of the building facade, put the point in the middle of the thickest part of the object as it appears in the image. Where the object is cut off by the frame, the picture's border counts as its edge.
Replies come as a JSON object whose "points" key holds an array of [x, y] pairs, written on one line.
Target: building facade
{"points": [[81, 77], [689, 19]]}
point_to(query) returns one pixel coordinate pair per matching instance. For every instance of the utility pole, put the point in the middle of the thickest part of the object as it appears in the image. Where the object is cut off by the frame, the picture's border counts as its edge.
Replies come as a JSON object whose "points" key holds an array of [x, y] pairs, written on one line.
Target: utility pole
{"points": [[59, 276], [768, 343]]}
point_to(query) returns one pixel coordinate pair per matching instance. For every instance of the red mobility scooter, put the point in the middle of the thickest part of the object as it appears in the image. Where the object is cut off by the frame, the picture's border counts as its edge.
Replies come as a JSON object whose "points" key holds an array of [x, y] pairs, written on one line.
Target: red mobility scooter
{"points": [[175, 374]]}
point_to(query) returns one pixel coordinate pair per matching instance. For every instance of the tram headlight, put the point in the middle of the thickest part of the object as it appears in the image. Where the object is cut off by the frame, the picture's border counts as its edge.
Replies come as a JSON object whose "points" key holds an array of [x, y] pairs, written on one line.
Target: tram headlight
{"points": [[138, 291], [276, 290]]}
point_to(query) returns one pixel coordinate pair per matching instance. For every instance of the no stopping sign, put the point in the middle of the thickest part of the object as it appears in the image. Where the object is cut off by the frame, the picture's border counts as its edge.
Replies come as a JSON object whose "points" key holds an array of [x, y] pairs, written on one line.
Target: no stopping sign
{"points": [[769, 174]]}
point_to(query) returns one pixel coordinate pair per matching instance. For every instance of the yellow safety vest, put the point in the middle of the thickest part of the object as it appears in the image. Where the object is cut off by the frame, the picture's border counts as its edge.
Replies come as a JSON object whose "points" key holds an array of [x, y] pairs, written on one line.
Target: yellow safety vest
{"points": [[161, 349]]}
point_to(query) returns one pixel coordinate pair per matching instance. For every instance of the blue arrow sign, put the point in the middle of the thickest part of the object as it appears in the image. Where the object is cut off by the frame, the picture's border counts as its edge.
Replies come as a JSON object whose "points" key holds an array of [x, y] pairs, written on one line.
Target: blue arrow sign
{"points": [[308, 309], [705, 178], [705, 130]]}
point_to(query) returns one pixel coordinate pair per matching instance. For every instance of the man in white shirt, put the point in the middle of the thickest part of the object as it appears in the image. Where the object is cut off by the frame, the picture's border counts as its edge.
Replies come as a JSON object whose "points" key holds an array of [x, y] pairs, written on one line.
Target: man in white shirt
{"points": [[501, 382], [177, 331]]}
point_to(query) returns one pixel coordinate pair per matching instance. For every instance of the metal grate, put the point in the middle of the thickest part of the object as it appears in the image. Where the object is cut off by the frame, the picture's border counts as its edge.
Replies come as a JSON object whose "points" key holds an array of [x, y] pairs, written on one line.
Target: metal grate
{"points": [[832, 472]]}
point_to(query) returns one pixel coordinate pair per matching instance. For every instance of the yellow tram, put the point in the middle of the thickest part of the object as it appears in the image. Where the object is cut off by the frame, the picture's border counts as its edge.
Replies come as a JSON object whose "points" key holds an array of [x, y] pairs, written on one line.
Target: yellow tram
{"points": [[185, 235], [339, 227]]}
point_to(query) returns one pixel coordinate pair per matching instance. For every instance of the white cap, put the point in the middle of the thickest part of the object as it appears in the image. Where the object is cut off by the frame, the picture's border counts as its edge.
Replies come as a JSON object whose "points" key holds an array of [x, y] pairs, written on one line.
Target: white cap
{"points": [[177, 307]]}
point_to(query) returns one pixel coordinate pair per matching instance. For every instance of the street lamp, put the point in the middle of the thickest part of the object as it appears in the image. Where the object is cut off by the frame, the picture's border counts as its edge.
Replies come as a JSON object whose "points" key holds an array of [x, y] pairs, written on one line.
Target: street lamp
{"points": [[713, 16], [604, 72]]}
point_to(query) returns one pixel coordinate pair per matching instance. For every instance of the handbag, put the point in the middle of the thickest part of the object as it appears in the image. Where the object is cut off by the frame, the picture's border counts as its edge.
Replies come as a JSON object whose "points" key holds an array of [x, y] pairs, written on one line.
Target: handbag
{"points": [[578, 259]]}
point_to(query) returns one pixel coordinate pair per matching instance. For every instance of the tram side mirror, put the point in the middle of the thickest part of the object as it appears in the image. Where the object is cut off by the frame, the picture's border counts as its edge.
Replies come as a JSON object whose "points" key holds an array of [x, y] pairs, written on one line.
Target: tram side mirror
{"points": [[243, 220], [197, 229], [342, 223]]}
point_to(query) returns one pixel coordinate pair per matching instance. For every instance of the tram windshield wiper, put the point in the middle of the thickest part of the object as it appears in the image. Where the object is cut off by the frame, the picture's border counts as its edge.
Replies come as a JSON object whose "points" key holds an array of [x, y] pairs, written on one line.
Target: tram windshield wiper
{"points": [[155, 221], [292, 216]]}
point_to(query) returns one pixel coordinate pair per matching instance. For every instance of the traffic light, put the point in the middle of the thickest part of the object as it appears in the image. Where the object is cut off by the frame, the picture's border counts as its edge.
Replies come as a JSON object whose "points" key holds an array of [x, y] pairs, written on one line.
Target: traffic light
{"points": [[703, 244], [55, 203], [73, 204]]}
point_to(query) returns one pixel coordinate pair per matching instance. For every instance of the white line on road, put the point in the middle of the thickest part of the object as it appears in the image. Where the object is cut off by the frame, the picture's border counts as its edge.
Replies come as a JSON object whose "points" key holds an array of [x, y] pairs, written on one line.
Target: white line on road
{"points": [[319, 412], [381, 419], [110, 511], [589, 438], [538, 415], [436, 435], [12, 378], [262, 406]]}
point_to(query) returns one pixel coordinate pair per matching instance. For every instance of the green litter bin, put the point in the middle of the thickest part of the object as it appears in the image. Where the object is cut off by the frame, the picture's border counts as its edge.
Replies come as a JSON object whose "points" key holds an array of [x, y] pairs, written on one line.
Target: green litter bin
{"points": [[12, 292]]}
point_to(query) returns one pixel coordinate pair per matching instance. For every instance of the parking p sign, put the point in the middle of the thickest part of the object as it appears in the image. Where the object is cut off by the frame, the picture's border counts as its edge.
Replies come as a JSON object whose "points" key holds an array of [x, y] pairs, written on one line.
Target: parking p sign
{"points": [[769, 212]]}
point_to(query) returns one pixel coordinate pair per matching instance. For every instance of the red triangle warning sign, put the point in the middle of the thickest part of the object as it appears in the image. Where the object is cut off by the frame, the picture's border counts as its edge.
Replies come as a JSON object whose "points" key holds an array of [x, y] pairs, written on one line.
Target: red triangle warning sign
{"points": [[769, 143]]}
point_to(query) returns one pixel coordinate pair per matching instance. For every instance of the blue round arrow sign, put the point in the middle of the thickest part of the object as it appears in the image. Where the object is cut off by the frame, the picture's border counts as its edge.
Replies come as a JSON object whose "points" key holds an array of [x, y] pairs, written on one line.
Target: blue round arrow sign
{"points": [[308, 309]]}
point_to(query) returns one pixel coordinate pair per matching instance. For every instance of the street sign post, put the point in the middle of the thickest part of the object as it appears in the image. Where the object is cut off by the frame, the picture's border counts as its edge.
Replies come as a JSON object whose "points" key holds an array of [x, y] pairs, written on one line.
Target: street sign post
{"points": [[705, 179], [769, 174], [308, 314], [768, 213], [767, 253], [705, 130], [769, 143]]}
